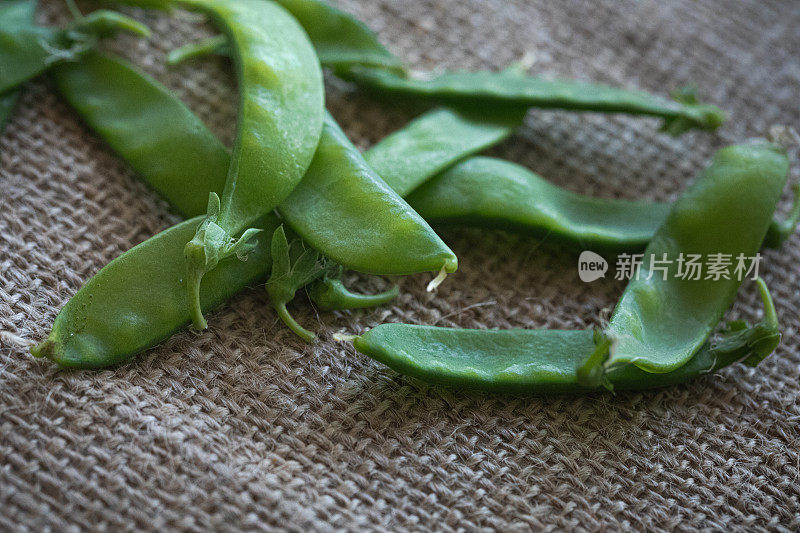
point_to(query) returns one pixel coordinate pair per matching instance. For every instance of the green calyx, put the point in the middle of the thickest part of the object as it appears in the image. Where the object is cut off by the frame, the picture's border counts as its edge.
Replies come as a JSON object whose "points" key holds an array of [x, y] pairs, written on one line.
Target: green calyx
{"points": [[210, 245], [294, 265]]}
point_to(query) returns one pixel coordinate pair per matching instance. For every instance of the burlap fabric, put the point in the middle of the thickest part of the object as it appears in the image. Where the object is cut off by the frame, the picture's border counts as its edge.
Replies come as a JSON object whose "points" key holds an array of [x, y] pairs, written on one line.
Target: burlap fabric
{"points": [[245, 427]]}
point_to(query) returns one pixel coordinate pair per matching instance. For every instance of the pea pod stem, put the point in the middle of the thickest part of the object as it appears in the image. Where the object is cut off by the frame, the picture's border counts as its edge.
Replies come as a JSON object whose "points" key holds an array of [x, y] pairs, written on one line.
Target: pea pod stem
{"points": [[331, 294], [293, 324]]}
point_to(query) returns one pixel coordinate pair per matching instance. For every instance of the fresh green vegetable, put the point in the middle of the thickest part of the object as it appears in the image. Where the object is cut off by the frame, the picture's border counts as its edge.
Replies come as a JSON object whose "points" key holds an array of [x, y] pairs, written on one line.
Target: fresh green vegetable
{"points": [[488, 192], [154, 131], [433, 142], [346, 211], [663, 318], [524, 361], [339, 39], [139, 299], [85, 87], [13, 14], [278, 128], [510, 88]]}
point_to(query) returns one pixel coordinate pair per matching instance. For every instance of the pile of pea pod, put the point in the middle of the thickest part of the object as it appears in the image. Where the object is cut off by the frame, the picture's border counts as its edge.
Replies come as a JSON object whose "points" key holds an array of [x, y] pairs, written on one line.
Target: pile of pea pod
{"points": [[295, 203]]}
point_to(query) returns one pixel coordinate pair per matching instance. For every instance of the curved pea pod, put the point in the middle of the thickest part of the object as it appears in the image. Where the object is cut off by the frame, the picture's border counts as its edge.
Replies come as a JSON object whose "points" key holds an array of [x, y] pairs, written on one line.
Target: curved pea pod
{"points": [[28, 50], [523, 361], [512, 89], [436, 140], [488, 192], [153, 130], [278, 128], [343, 209], [139, 299], [665, 315]]}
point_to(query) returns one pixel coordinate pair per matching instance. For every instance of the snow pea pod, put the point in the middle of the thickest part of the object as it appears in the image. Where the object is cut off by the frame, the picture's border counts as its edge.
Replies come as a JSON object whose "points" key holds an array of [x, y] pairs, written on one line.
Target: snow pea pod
{"points": [[375, 231], [279, 124], [139, 299], [524, 361], [512, 89], [488, 192], [663, 318], [116, 100], [98, 344], [436, 140], [27, 50], [142, 120]]}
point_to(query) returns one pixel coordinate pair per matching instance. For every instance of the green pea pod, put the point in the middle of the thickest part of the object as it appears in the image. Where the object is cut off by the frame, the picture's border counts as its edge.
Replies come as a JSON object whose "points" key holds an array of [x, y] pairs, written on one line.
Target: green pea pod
{"points": [[488, 192], [523, 361], [664, 317], [85, 87], [375, 231], [509, 88], [28, 50], [142, 120], [111, 95], [278, 128], [345, 210], [139, 299], [428, 145]]}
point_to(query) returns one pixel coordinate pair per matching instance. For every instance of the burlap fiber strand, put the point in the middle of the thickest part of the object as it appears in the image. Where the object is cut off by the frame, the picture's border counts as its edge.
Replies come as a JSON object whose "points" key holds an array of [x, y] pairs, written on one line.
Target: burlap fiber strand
{"points": [[245, 427]]}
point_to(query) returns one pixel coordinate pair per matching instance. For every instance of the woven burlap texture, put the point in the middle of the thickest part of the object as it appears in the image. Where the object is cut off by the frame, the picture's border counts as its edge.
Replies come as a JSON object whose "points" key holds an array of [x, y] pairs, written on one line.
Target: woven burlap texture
{"points": [[246, 427]]}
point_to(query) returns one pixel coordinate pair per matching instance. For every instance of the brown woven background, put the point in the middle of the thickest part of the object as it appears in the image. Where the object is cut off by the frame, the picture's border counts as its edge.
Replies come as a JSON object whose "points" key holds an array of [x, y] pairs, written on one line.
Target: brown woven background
{"points": [[245, 427]]}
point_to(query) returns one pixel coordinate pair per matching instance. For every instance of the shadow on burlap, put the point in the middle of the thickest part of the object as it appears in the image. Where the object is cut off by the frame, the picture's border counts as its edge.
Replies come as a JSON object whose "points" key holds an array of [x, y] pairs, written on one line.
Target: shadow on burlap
{"points": [[244, 426]]}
